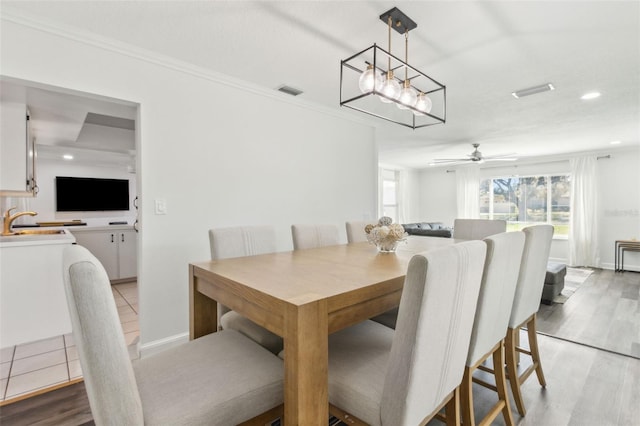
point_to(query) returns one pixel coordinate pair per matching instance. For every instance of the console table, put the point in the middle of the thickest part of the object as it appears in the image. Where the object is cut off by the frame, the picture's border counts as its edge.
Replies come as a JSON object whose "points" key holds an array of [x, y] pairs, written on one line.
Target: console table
{"points": [[620, 247]]}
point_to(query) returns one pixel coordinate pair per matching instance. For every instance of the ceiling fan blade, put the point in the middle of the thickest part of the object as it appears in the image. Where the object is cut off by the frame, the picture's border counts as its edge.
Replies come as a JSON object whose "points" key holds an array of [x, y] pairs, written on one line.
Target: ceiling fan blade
{"points": [[500, 159], [491, 157], [449, 160]]}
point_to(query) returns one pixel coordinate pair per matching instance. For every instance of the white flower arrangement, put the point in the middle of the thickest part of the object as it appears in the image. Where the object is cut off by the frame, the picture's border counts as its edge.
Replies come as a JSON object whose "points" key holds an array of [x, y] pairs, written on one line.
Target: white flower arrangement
{"points": [[385, 234]]}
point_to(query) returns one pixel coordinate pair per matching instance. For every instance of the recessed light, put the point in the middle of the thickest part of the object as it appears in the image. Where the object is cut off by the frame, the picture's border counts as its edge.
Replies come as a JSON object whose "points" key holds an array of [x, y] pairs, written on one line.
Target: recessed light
{"points": [[590, 95], [615, 142], [68, 157]]}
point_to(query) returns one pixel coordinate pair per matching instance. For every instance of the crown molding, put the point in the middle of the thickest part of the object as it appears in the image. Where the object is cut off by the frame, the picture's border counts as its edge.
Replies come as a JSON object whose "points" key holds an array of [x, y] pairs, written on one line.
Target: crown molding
{"points": [[9, 14]]}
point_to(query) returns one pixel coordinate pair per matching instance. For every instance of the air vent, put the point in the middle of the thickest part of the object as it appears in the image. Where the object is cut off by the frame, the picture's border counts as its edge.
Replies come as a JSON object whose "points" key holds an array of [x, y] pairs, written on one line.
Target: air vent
{"points": [[289, 90], [533, 90]]}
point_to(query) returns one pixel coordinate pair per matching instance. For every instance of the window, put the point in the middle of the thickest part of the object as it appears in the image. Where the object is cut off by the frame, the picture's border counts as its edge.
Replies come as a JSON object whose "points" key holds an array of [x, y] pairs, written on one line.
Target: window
{"points": [[390, 187], [525, 201]]}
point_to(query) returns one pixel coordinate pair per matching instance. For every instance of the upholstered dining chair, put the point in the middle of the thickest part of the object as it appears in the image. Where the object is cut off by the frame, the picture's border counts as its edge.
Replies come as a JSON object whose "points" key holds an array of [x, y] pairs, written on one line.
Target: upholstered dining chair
{"points": [[379, 376], [477, 229], [526, 303], [314, 236], [355, 232], [237, 242], [220, 379], [501, 268]]}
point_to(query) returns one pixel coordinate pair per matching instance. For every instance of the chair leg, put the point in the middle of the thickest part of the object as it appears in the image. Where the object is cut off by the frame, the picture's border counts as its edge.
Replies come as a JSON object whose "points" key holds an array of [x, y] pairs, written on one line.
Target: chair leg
{"points": [[452, 409], [501, 383], [466, 397], [535, 353], [512, 368]]}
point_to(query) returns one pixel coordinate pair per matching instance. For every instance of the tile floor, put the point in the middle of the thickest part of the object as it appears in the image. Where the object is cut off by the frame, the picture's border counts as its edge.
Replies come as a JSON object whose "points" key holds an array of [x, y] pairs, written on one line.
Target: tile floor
{"points": [[33, 367]]}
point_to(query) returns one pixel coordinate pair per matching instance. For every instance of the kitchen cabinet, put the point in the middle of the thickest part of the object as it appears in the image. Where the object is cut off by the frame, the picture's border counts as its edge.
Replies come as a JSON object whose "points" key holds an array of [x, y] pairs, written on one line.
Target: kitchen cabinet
{"points": [[17, 151], [114, 246], [33, 305]]}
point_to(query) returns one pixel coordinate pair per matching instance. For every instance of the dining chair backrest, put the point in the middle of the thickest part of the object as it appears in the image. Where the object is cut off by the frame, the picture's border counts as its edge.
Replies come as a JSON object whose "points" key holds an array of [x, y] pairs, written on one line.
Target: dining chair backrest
{"points": [[477, 229], [100, 341], [314, 236], [499, 279], [241, 241], [355, 232], [432, 334], [533, 269]]}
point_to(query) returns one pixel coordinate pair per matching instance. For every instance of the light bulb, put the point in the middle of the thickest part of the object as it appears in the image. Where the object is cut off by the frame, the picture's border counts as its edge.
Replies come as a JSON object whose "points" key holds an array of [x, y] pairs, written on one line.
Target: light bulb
{"points": [[423, 104], [408, 96], [390, 88], [368, 78]]}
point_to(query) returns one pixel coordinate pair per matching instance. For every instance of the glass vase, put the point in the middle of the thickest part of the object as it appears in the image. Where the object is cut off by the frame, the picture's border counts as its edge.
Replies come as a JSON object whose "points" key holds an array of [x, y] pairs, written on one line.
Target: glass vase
{"points": [[387, 246]]}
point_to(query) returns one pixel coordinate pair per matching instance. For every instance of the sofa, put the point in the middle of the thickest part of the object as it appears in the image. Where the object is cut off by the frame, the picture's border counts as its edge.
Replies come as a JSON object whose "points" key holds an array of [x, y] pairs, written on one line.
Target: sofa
{"points": [[427, 229]]}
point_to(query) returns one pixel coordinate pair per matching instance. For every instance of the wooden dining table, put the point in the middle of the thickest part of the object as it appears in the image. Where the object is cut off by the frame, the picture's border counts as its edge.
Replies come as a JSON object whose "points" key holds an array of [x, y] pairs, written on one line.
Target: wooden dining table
{"points": [[303, 296]]}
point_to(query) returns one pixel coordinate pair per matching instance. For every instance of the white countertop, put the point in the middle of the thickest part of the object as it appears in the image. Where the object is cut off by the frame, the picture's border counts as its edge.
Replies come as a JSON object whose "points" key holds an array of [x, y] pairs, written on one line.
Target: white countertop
{"points": [[37, 239], [73, 229]]}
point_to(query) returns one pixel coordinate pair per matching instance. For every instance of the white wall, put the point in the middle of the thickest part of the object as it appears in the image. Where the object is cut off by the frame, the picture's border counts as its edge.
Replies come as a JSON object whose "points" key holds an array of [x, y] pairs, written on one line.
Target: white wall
{"points": [[437, 190], [219, 154], [618, 193], [619, 211]]}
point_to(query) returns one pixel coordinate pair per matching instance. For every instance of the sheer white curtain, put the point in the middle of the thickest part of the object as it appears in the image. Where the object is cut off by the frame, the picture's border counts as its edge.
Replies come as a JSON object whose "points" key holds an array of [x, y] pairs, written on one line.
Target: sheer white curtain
{"points": [[468, 191], [583, 233], [404, 199]]}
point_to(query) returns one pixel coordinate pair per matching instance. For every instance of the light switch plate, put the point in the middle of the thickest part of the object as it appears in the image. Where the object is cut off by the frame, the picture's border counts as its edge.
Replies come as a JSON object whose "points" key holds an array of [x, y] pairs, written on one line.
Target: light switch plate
{"points": [[161, 206]]}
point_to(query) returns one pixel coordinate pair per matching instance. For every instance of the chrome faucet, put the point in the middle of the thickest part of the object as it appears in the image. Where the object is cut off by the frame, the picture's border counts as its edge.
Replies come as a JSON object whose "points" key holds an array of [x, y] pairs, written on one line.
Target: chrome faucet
{"points": [[9, 218]]}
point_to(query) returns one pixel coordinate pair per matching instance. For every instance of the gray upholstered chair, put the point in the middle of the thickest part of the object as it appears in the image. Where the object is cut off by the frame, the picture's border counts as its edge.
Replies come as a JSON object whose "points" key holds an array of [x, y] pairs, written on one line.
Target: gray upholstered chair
{"points": [[388, 318], [404, 377], [314, 236], [220, 379], [504, 253], [237, 242], [477, 229], [355, 232], [526, 303]]}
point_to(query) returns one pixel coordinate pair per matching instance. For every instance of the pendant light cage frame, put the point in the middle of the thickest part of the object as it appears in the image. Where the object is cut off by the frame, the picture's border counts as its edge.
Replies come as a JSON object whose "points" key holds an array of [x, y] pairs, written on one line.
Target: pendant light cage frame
{"points": [[372, 100]]}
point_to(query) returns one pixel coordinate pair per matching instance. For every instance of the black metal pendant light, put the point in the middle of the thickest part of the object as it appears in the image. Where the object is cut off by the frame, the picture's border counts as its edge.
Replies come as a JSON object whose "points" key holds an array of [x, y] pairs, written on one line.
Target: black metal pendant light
{"points": [[376, 82]]}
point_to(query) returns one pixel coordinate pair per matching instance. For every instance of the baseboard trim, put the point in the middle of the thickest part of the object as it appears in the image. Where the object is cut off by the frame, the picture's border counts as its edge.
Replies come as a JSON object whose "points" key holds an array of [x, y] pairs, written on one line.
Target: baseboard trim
{"points": [[160, 345]]}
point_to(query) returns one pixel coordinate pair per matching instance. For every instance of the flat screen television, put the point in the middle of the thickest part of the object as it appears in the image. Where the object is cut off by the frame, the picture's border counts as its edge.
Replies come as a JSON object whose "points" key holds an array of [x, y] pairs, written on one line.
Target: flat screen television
{"points": [[80, 194]]}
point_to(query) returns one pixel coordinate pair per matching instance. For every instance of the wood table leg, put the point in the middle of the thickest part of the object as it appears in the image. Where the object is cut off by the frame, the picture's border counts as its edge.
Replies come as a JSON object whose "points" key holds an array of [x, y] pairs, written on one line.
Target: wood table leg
{"points": [[203, 311], [306, 400]]}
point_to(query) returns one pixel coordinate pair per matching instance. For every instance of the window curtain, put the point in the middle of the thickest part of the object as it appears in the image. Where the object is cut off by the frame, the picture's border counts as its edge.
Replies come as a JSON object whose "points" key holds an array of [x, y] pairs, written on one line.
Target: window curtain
{"points": [[468, 191], [583, 232], [404, 188], [380, 195]]}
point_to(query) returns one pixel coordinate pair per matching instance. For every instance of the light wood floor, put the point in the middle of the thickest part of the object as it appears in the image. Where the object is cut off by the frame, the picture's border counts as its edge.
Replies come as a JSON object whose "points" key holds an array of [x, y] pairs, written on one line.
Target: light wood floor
{"points": [[604, 312], [585, 387]]}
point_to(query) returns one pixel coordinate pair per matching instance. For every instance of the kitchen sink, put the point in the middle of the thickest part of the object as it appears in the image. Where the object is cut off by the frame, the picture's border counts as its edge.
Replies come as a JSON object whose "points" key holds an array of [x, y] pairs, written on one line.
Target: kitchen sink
{"points": [[38, 232]]}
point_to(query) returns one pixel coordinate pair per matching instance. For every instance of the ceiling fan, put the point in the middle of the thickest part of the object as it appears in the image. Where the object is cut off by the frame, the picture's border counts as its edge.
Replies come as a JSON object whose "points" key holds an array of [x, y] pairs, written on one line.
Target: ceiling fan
{"points": [[475, 157]]}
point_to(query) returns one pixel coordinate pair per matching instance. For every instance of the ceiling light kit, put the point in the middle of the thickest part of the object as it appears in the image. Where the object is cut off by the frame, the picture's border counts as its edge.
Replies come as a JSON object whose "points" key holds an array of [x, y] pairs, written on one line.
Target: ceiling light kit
{"points": [[533, 90], [376, 82], [590, 95]]}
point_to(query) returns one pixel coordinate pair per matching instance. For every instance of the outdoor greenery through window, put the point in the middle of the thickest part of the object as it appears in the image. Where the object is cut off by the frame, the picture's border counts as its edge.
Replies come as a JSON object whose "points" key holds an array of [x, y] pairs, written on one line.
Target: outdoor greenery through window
{"points": [[525, 201]]}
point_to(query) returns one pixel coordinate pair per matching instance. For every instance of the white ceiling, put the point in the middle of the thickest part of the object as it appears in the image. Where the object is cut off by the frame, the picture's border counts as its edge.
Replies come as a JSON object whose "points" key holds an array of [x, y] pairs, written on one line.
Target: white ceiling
{"points": [[58, 122], [481, 50]]}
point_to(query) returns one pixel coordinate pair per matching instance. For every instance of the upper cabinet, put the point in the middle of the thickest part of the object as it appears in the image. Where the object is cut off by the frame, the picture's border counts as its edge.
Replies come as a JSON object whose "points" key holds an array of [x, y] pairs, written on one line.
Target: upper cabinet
{"points": [[17, 151]]}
